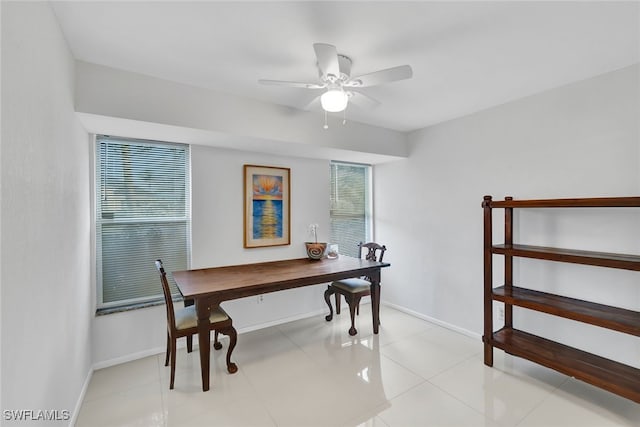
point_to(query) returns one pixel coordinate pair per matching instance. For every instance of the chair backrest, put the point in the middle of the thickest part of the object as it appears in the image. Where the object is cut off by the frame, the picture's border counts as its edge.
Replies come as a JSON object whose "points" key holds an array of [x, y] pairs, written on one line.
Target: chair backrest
{"points": [[171, 318], [375, 252]]}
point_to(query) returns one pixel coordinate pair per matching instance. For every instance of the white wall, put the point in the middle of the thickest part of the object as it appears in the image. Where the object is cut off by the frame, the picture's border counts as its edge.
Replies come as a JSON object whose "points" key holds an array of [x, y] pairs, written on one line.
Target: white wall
{"points": [[217, 239], [581, 140], [46, 289]]}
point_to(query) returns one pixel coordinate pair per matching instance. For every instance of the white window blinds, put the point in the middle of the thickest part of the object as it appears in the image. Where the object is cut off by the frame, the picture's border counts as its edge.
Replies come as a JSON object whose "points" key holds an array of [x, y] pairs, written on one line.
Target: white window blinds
{"points": [[350, 206], [142, 214]]}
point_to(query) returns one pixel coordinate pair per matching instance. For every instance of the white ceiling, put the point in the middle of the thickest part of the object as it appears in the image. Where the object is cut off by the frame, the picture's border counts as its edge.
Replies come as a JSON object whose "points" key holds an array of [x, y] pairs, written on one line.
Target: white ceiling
{"points": [[466, 56]]}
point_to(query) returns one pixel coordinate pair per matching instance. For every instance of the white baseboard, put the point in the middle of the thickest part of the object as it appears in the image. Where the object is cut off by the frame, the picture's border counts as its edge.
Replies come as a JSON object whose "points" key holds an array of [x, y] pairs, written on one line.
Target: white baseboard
{"points": [[83, 393], [132, 356], [438, 322]]}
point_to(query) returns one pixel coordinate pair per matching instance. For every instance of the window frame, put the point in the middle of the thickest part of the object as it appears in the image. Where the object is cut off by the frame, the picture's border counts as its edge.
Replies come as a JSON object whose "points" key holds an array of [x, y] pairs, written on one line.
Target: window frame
{"points": [[140, 302], [368, 211]]}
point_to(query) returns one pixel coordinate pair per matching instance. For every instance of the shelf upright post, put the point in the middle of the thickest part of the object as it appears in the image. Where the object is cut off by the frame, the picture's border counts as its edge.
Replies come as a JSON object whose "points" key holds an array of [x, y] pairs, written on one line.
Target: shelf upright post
{"points": [[508, 262], [488, 283]]}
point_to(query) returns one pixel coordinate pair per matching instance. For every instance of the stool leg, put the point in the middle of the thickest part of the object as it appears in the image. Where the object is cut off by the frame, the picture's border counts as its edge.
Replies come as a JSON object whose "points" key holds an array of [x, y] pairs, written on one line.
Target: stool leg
{"points": [[327, 298]]}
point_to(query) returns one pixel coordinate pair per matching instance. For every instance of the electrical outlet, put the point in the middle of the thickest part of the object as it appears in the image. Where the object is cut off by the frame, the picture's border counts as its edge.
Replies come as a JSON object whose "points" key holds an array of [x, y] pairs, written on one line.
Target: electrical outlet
{"points": [[260, 299], [501, 313]]}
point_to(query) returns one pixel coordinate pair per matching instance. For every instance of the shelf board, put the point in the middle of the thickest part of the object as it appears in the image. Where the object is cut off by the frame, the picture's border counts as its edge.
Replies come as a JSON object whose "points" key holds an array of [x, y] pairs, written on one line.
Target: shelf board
{"points": [[617, 319], [615, 377], [594, 202], [602, 259]]}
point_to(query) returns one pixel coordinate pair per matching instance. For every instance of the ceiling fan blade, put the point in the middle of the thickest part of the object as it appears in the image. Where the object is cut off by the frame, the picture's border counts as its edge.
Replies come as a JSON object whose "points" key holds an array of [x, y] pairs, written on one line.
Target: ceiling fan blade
{"points": [[327, 56], [292, 84], [383, 76], [363, 101]]}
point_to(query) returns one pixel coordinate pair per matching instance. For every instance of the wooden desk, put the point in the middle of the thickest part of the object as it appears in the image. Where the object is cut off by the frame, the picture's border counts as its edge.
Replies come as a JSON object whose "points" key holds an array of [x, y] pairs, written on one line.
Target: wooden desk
{"points": [[208, 287]]}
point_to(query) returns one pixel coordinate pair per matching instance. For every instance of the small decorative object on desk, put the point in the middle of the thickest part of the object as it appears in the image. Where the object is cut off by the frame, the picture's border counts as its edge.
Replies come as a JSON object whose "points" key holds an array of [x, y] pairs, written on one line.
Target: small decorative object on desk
{"points": [[315, 250], [332, 251]]}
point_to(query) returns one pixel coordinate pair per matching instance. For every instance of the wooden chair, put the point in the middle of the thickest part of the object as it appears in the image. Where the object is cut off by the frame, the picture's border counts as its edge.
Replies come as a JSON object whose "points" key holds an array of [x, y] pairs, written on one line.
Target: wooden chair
{"points": [[353, 289], [183, 322]]}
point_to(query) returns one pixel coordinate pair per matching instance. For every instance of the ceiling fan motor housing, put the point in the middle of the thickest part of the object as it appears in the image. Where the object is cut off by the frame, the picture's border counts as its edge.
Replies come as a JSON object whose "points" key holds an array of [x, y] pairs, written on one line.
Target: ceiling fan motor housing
{"points": [[344, 63]]}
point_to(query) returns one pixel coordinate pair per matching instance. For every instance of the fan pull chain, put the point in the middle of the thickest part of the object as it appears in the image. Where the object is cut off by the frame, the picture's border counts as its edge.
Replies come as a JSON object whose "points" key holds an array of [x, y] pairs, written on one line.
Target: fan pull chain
{"points": [[326, 126], [344, 116]]}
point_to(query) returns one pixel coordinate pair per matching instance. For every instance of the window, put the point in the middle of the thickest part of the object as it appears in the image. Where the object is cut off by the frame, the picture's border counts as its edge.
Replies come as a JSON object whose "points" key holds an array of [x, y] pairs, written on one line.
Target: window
{"points": [[350, 206], [142, 214]]}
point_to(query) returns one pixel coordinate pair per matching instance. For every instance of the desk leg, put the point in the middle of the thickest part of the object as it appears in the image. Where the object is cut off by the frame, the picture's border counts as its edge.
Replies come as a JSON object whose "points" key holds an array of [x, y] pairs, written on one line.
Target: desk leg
{"points": [[375, 300], [187, 303], [204, 340]]}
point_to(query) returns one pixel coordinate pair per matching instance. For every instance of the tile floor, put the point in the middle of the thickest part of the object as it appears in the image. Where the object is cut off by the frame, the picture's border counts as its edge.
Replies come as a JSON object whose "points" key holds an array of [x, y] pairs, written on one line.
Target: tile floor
{"points": [[312, 373]]}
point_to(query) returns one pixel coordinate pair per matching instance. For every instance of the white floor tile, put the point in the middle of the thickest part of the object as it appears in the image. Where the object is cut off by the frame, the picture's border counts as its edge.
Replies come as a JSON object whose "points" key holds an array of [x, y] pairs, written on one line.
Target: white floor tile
{"points": [[426, 405], [423, 357], [371, 422], [312, 373], [122, 377], [136, 406], [501, 396], [230, 414], [577, 404]]}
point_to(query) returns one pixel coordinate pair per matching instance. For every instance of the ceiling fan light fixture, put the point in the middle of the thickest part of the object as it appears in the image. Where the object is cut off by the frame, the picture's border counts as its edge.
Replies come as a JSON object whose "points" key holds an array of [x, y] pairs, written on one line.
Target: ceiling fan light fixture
{"points": [[334, 100]]}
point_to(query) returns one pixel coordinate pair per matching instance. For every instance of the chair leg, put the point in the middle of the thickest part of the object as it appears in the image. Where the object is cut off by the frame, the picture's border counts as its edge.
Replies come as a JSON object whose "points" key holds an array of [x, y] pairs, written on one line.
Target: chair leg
{"points": [[189, 343], [379, 289], [166, 359], [173, 363], [216, 343], [338, 300], [327, 298], [233, 338], [353, 304]]}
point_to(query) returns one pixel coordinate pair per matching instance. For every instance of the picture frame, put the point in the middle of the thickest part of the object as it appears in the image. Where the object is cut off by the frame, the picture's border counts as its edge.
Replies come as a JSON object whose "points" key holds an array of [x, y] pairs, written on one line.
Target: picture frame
{"points": [[267, 206]]}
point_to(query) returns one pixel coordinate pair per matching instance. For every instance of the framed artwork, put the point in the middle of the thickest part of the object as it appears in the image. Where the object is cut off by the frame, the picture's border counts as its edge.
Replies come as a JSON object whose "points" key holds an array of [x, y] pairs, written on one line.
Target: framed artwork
{"points": [[266, 206]]}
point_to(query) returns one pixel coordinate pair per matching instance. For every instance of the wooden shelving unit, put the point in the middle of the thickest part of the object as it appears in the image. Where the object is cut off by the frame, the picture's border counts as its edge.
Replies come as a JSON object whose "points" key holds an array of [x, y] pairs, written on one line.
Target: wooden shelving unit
{"points": [[615, 377]]}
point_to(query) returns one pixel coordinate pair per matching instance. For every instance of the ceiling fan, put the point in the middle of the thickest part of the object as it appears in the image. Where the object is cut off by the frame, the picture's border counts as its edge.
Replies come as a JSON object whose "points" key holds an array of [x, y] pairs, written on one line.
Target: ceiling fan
{"points": [[335, 76]]}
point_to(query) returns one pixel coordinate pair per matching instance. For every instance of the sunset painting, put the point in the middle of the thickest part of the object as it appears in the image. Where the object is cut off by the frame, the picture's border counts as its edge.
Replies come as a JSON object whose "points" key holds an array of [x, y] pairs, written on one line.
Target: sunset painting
{"points": [[267, 206], [266, 217]]}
